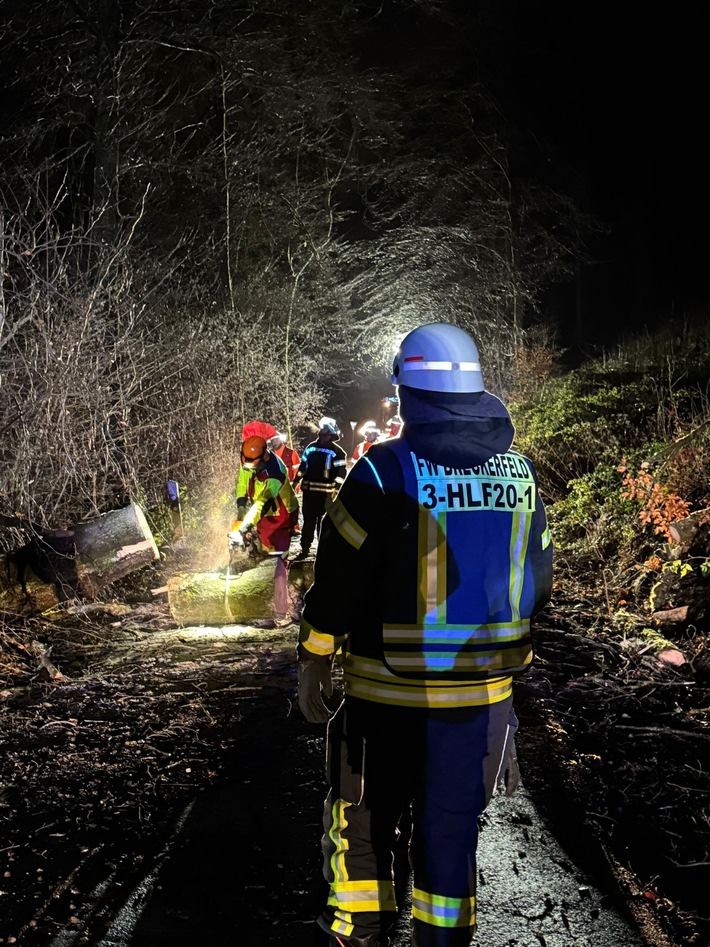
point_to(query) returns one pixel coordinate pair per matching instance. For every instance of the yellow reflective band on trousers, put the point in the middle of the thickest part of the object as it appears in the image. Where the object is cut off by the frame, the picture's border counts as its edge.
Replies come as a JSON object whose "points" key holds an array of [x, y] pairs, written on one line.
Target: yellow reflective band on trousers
{"points": [[439, 911], [348, 896], [354, 896]]}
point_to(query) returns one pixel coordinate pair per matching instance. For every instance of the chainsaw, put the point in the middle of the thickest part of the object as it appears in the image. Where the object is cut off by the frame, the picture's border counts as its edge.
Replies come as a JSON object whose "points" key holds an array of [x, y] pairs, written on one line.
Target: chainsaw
{"points": [[241, 544]]}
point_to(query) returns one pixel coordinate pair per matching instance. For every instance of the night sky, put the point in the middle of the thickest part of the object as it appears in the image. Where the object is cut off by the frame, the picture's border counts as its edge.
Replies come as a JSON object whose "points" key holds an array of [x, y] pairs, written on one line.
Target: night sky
{"points": [[618, 99], [606, 103]]}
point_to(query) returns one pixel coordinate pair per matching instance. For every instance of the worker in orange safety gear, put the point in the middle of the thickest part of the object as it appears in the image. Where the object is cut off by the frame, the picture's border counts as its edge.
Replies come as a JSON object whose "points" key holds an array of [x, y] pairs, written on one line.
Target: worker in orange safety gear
{"points": [[370, 433], [266, 501], [291, 460], [393, 426]]}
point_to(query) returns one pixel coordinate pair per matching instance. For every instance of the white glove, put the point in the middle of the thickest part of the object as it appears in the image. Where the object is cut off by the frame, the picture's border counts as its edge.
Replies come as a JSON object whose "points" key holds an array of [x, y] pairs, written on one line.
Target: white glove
{"points": [[314, 680]]}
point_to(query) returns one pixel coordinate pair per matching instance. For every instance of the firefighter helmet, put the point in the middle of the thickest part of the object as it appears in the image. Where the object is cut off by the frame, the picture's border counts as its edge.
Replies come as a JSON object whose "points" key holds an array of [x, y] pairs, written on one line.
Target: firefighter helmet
{"points": [[394, 426], [438, 357], [370, 431], [254, 451], [330, 425]]}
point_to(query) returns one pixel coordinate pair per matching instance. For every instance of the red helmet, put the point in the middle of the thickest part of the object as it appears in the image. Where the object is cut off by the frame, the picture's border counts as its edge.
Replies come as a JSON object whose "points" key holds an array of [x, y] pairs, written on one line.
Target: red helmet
{"points": [[254, 451]]}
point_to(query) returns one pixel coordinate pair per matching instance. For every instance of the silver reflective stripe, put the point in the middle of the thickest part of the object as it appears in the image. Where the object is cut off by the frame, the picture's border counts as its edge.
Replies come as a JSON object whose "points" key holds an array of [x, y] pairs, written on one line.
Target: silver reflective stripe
{"points": [[441, 366]]}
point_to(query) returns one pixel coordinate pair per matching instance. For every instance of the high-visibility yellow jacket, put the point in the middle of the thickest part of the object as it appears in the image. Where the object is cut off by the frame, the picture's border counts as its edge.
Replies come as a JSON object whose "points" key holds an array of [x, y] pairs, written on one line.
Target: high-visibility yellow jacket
{"points": [[274, 505]]}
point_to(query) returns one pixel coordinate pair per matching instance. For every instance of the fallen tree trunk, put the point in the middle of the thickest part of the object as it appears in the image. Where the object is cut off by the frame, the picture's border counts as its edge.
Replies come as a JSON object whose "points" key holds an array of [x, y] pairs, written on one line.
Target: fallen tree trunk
{"points": [[76, 563], [214, 598]]}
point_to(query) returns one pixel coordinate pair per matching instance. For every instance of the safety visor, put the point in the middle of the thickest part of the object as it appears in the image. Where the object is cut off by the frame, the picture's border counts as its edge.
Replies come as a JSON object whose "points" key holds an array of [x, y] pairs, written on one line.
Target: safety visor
{"points": [[251, 463]]}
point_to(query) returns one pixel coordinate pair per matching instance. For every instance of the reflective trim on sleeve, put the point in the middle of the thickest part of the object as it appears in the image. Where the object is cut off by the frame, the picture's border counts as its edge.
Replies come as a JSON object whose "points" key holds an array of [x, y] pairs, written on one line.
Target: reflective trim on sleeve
{"points": [[318, 486], [319, 642], [351, 531], [546, 538], [440, 911]]}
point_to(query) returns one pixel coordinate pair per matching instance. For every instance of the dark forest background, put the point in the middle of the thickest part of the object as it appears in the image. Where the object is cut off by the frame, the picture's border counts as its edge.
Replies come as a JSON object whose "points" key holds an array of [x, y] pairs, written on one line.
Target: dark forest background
{"points": [[216, 211]]}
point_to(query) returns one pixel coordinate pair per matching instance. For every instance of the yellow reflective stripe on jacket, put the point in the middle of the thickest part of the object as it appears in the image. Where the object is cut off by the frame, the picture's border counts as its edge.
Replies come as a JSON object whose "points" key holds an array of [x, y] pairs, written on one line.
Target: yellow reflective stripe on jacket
{"points": [[315, 486], [546, 538], [351, 531], [460, 635], [519, 533], [431, 605], [343, 925], [438, 648], [369, 679], [439, 911], [318, 642]]}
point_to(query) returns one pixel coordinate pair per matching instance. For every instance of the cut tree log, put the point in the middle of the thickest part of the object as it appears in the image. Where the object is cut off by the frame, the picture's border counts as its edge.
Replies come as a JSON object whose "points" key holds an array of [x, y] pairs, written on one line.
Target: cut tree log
{"points": [[76, 563], [111, 547], [214, 598]]}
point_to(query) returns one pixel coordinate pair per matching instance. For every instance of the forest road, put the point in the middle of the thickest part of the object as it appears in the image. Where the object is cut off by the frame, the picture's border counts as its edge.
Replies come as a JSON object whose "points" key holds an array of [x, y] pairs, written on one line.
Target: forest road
{"points": [[242, 865]]}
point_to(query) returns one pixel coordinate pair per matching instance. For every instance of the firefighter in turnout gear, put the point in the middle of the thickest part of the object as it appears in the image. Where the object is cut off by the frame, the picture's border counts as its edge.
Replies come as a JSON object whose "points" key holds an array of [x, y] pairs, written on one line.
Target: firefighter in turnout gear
{"points": [[322, 471], [445, 527], [267, 503]]}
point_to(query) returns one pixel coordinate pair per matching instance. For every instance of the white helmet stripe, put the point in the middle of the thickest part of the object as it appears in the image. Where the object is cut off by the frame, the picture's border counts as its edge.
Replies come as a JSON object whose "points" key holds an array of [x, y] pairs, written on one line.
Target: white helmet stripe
{"points": [[421, 366]]}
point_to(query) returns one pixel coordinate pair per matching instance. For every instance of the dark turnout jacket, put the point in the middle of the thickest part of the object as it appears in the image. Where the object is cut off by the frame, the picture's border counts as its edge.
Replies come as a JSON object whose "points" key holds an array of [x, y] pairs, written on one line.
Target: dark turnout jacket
{"points": [[438, 552]]}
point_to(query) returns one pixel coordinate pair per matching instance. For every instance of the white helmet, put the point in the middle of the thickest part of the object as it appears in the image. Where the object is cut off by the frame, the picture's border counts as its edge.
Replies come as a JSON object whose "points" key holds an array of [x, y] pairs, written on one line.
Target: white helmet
{"points": [[369, 427], [329, 424], [438, 357]]}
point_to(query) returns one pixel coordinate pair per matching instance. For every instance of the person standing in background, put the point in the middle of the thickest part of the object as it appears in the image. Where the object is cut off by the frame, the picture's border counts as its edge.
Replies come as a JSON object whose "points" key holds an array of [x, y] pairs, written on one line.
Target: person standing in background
{"points": [[320, 475], [371, 433], [266, 502], [289, 457]]}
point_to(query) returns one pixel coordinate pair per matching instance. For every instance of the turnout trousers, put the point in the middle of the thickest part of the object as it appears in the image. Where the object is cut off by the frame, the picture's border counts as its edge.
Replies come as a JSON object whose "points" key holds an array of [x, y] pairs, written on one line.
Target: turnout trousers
{"points": [[316, 504], [392, 768]]}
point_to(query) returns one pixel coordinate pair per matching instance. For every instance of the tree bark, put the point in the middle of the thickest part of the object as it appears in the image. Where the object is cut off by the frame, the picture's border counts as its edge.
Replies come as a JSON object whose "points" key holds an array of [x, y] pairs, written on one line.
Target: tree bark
{"points": [[215, 598], [77, 563]]}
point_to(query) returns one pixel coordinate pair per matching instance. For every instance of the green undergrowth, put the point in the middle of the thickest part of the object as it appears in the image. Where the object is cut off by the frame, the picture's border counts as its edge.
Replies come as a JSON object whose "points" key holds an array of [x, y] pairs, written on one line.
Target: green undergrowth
{"points": [[621, 446]]}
